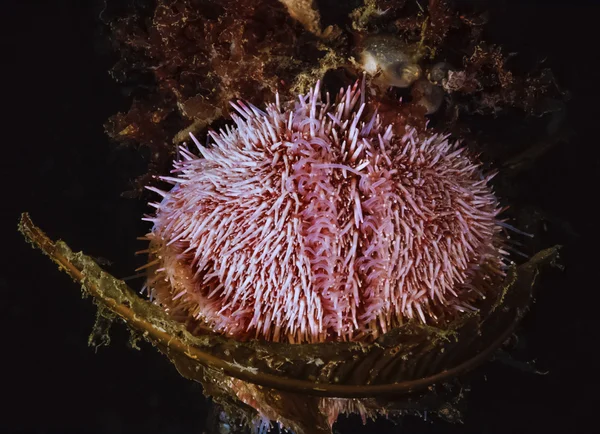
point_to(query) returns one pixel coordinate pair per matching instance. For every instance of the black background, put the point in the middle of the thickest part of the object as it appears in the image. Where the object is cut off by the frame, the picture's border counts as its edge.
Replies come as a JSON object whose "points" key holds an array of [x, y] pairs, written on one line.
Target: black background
{"points": [[57, 163]]}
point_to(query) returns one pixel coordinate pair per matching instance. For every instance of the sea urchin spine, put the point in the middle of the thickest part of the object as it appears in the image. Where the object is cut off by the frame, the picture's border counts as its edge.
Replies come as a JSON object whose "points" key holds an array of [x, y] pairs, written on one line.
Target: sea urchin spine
{"points": [[312, 223]]}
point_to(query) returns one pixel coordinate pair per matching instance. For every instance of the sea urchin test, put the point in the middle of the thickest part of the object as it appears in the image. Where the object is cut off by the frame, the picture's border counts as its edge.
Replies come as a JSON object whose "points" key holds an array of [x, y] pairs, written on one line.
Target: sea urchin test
{"points": [[314, 221]]}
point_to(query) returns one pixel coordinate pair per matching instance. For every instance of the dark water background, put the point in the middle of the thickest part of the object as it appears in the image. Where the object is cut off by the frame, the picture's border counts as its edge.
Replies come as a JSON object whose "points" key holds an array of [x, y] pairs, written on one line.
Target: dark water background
{"points": [[57, 163]]}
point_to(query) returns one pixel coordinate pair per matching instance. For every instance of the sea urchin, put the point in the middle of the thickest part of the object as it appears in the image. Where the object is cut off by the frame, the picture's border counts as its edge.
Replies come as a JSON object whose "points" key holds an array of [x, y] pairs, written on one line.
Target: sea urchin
{"points": [[316, 222]]}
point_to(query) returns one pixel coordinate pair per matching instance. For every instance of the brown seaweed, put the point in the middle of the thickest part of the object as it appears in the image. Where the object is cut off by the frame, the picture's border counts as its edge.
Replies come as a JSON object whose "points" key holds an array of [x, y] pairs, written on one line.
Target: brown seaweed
{"points": [[283, 380]]}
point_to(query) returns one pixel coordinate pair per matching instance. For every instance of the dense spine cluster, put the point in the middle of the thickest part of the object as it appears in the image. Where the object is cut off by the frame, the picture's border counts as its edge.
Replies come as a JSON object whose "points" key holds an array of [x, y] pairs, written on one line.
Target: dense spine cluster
{"points": [[316, 222]]}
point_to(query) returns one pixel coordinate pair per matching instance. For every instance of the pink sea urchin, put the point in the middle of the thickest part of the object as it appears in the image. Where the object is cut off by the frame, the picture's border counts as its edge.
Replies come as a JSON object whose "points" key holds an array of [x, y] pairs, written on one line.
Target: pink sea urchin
{"points": [[317, 222]]}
